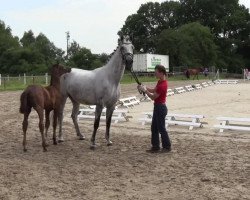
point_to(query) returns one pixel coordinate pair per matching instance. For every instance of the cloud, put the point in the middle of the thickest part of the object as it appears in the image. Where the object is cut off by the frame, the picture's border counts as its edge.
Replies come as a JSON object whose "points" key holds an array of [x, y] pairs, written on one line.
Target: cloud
{"points": [[92, 23]]}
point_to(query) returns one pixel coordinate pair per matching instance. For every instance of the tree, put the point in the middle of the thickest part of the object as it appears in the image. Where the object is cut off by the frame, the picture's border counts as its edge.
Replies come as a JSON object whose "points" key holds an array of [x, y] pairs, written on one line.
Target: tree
{"points": [[28, 39], [229, 22], [49, 51], [149, 21], [190, 45], [7, 41]]}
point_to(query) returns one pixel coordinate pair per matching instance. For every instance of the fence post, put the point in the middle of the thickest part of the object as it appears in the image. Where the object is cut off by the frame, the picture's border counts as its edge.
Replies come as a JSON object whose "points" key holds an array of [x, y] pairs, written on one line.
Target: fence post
{"points": [[0, 79], [24, 79], [33, 79], [46, 78], [8, 76], [19, 77], [4, 83]]}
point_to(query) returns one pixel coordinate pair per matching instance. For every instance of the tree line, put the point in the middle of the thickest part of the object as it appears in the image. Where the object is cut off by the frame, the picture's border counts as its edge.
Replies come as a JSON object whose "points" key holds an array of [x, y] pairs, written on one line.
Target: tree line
{"points": [[193, 33], [35, 54]]}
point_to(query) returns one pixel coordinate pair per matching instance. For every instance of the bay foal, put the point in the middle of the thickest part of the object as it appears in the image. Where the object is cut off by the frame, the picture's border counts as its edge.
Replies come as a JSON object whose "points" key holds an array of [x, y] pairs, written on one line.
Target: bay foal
{"points": [[43, 98]]}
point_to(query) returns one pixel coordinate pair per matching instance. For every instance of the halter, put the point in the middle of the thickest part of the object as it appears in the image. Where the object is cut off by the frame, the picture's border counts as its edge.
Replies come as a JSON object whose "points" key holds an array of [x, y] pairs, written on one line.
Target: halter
{"points": [[131, 69], [126, 54]]}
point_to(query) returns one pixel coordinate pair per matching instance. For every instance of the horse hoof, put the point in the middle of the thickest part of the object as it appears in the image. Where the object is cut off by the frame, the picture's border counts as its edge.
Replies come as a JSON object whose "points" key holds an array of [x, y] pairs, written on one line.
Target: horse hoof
{"points": [[55, 142], [92, 147], [45, 150], [60, 141], [110, 144], [81, 138], [24, 150]]}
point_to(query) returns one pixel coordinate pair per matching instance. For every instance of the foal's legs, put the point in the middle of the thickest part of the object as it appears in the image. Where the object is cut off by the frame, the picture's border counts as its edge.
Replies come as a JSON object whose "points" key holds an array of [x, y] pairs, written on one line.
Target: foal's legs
{"points": [[60, 117], [98, 112], [109, 114], [47, 122], [41, 126], [74, 114], [55, 118], [25, 126]]}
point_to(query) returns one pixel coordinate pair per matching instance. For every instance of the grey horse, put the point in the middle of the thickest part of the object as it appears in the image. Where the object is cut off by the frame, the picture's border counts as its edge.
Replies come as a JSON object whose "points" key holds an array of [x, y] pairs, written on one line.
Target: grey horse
{"points": [[100, 87]]}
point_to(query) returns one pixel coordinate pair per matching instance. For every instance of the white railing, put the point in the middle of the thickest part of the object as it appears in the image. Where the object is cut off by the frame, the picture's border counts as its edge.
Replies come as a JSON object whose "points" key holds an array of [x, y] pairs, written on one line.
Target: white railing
{"points": [[7, 81]]}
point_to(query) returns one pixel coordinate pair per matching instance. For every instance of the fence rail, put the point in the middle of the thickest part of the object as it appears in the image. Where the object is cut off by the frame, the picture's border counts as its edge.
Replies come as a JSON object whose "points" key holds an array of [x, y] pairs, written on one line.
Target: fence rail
{"points": [[20, 82]]}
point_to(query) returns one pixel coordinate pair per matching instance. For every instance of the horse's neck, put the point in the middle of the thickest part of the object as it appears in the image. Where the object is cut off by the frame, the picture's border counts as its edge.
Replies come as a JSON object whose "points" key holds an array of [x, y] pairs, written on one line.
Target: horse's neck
{"points": [[115, 67], [55, 82]]}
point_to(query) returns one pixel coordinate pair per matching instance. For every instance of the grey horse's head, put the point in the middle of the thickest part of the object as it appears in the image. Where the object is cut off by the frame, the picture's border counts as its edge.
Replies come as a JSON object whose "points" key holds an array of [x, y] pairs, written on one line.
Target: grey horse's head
{"points": [[127, 49]]}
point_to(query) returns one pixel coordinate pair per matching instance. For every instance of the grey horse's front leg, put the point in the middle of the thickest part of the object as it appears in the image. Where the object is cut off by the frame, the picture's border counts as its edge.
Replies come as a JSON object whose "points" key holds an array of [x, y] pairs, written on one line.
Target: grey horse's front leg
{"points": [[109, 114], [98, 112], [60, 118], [74, 114]]}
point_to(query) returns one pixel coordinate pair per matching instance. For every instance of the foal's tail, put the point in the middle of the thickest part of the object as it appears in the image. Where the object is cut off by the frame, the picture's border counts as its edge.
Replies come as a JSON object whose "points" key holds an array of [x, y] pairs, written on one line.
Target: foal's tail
{"points": [[24, 103]]}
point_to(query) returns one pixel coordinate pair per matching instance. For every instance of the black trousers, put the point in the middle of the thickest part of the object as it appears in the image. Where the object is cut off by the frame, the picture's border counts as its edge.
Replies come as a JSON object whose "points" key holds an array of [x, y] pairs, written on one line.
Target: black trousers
{"points": [[158, 127]]}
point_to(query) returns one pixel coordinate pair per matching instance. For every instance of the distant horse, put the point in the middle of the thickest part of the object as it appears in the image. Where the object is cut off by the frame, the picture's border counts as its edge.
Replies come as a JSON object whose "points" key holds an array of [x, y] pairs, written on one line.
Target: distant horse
{"points": [[193, 72], [100, 87], [43, 98]]}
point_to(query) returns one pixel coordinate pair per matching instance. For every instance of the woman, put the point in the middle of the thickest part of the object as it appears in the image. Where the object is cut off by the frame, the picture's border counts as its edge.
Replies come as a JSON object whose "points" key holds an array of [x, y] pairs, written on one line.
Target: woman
{"points": [[158, 94]]}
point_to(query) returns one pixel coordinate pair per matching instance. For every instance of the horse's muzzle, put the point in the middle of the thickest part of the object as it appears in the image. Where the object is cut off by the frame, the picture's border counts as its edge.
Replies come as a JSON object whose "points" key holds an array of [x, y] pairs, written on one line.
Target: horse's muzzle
{"points": [[129, 61]]}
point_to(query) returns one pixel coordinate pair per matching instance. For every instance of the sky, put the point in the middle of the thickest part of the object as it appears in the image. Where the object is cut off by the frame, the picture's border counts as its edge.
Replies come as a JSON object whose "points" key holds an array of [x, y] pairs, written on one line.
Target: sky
{"points": [[91, 23]]}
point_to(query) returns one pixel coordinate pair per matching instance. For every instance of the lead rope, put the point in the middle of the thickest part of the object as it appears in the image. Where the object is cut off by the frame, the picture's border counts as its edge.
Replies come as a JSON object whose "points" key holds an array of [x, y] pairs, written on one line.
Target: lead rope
{"points": [[137, 81]]}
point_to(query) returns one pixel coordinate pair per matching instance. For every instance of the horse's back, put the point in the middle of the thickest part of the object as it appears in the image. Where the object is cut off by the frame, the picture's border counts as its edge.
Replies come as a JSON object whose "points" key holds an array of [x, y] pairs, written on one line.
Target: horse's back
{"points": [[87, 86], [32, 96]]}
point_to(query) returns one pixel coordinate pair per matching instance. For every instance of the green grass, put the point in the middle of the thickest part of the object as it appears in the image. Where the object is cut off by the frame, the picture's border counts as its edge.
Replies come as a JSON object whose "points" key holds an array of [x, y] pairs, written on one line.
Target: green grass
{"points": [[127, 78], [16, 83]]}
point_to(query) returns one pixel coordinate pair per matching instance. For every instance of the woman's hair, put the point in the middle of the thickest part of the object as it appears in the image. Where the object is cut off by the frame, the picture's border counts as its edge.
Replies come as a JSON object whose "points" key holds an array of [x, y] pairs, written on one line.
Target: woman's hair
{"points": [[161, 69]]}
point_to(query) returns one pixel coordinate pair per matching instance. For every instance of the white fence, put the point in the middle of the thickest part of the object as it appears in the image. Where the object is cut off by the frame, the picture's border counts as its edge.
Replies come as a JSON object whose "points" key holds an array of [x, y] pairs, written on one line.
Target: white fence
{"points": [[8, 81]]}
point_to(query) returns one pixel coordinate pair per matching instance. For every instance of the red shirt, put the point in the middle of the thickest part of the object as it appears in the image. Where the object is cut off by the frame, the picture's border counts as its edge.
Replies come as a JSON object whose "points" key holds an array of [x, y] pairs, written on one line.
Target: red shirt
{"points": [[161, 89]]}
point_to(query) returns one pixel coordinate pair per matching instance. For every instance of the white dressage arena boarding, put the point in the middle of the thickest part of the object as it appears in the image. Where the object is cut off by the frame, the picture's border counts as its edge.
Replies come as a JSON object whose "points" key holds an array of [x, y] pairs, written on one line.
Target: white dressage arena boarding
{"points": [[175, 119], [129, 102], [189, 88], [179, 90], [145, 98], [198, 86], [222, 81], [170, 92], [225, 124], [118, 115], [204, 84], [210, 83]]}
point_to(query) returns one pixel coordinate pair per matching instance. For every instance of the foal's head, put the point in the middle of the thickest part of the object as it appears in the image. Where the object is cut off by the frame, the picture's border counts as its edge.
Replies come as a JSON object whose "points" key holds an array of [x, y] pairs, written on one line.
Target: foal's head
{"points": [[58, 70], [127, 49]]}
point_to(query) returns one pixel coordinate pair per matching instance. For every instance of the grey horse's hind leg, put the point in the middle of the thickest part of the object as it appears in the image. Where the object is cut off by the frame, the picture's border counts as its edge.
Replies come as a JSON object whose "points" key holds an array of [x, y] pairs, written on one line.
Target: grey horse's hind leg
{"points": [[60, 118], [74, 114], [109, 114], [98, 112]]}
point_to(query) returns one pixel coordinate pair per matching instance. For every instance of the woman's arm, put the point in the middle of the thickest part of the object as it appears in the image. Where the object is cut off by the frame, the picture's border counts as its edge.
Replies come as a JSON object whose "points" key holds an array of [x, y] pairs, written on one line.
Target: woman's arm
{"points": [[151, 90], [153, 95]]}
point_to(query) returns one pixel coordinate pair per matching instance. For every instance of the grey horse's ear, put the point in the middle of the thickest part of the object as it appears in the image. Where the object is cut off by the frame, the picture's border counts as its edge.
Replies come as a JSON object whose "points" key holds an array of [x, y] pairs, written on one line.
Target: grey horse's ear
{"points": [[119, 41], [122, 37], [120, 33]]}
